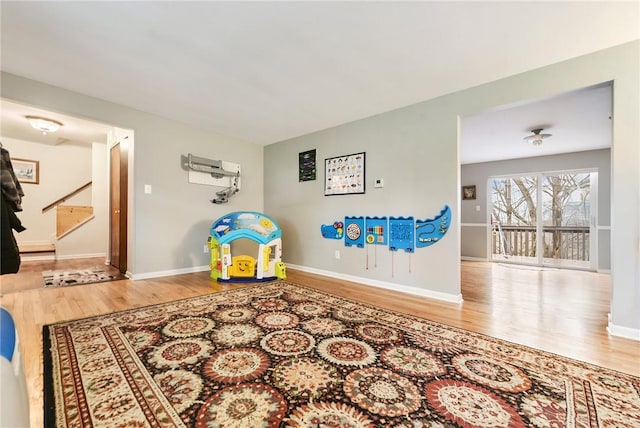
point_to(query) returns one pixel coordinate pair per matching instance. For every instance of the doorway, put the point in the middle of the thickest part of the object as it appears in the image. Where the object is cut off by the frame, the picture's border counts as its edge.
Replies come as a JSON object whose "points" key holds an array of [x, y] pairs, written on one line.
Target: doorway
{"points": [[77, 153], [545, 219], [118, 196]]}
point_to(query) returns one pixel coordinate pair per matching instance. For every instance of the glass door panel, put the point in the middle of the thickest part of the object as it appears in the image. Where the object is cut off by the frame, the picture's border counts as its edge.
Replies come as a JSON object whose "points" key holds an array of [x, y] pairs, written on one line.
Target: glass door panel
{"points": [[544, 219], [514, 219], [566, 219]]}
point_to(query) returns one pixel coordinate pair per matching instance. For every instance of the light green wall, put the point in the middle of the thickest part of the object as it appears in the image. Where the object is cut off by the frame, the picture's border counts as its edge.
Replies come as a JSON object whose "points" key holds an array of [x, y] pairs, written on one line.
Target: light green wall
{"points": [[406, 149], [415, 149], [168, 228]]}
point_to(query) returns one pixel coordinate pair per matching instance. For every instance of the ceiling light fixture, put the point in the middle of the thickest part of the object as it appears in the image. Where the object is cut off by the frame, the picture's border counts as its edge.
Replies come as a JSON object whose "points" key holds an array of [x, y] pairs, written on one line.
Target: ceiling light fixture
{"points": [[43, 124], [537, 137]]}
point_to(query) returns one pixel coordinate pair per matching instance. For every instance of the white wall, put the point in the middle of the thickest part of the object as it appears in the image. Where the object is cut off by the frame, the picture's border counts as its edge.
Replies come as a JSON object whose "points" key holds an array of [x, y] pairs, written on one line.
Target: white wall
{"points": [[92, 238], [63, 168]]}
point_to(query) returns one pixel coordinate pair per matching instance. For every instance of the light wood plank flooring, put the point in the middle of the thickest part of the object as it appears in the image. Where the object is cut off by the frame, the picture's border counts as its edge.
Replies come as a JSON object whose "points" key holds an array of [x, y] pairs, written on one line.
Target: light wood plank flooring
{"points": [[30, 275], [560, 311]]}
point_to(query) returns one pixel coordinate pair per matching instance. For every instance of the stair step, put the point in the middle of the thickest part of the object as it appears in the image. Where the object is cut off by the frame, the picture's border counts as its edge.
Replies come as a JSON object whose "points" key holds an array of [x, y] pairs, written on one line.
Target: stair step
{"points": [[36, 249]]}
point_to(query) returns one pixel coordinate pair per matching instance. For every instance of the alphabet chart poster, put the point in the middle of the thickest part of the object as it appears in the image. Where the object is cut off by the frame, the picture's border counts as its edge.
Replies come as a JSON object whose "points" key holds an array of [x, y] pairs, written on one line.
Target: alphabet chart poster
{"points": [[344, 174]]}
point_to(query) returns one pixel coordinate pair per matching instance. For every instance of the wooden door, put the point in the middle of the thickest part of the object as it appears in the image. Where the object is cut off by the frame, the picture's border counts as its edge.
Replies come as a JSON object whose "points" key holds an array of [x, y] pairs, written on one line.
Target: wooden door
{"points": [[118, 179]]}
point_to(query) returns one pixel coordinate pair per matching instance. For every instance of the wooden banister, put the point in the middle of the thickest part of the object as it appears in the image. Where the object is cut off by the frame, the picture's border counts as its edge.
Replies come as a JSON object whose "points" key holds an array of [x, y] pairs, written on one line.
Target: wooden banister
{"points": [[67, 196]]}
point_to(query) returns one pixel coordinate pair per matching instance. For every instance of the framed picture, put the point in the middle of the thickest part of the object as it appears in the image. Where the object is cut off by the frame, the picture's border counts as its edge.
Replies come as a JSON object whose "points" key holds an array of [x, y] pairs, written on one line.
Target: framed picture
{"points": [[27, 171], [468, 192], [344, 175]]}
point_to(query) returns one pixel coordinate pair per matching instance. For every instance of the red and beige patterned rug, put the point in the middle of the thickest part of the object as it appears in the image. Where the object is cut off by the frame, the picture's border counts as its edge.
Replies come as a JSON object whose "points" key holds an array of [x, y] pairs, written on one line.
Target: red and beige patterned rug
{"points": [[282, 355]]}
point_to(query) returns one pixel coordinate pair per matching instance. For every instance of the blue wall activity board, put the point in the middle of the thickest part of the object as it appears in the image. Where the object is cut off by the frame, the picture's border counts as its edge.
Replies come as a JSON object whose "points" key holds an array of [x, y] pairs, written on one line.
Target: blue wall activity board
{"points": [[431, 230], [376, 230], [354, 231], [401, 234]]}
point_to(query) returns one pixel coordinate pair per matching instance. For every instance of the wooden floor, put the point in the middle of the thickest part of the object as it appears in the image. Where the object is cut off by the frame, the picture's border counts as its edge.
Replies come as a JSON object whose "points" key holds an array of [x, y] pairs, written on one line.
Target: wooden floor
{"points": [[560, 311], [30, 275]]}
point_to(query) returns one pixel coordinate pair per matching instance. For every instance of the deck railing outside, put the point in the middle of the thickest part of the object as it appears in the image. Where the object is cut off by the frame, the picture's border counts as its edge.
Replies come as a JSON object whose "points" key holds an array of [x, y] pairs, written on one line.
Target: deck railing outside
{"points": [[560, 242]]}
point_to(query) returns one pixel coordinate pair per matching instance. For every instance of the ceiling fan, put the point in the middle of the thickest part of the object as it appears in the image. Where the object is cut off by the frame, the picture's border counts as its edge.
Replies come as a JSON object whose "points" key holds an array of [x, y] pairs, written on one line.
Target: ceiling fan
{"points": [[537, 137]]}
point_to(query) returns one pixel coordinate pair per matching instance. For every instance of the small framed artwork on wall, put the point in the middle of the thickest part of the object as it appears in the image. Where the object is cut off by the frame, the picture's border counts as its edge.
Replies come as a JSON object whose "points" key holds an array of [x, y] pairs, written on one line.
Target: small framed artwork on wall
{"points": [[468, 192], [27, 171]]}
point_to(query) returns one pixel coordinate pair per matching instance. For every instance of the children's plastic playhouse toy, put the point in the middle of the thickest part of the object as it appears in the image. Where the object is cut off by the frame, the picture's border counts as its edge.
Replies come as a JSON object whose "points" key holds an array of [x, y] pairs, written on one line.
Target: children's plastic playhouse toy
{"points": [[257, 227]]}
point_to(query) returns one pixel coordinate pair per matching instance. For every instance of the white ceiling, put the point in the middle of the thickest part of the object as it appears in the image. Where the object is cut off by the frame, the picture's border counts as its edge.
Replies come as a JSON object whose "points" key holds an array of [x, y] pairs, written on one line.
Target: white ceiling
{"points": [[268, 71], [577, 121], [73, 130]]}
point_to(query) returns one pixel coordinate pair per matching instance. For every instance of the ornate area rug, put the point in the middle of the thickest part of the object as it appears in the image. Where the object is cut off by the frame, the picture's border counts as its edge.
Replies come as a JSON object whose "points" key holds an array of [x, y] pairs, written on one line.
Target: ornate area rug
{"points": [[282, 355], [61, 278]]}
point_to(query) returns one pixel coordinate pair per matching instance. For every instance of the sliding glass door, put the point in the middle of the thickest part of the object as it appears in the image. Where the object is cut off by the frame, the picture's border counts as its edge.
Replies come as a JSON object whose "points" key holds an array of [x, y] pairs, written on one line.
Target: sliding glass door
{"points": [[544, 219]]}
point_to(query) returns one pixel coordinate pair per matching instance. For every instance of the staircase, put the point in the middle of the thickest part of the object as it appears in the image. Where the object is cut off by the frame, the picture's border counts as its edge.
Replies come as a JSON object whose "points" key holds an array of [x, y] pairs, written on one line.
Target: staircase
{"points": [[38, 252], [68, 219], [71, 217]]}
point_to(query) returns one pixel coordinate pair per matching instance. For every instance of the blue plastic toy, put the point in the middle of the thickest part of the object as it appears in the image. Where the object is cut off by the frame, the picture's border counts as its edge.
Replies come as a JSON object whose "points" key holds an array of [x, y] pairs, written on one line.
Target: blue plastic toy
{"points": [[431, 230]]}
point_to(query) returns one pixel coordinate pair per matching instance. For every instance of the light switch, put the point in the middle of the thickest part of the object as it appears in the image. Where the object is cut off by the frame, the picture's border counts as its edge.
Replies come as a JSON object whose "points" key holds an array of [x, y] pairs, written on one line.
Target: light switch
{"points": [[147, 189], [478, 208], [379, 182]]}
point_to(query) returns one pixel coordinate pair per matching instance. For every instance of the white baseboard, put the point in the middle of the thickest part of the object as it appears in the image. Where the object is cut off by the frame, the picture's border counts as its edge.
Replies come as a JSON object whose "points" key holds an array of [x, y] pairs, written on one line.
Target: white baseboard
{"points": [[160, 274], [626, 332], [473, 259], [451, 298]]}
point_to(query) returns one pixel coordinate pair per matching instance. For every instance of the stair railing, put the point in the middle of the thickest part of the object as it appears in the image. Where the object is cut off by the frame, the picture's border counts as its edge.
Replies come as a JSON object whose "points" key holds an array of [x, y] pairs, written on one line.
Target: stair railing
{"points": [[67, 196]]}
